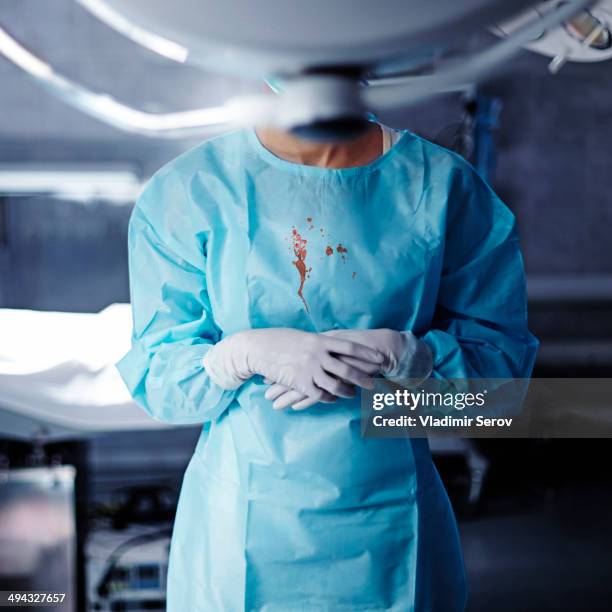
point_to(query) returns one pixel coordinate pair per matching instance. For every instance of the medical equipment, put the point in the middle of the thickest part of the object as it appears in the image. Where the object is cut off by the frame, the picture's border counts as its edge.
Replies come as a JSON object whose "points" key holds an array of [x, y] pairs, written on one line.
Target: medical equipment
{"points": [[586, 37], [38, 534], [133, 575], [340, 60]]}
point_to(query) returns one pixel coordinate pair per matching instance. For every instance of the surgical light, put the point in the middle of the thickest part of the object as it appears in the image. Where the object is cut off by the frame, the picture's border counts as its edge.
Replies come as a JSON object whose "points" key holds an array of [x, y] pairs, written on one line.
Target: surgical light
{"points": [[341, 61]]}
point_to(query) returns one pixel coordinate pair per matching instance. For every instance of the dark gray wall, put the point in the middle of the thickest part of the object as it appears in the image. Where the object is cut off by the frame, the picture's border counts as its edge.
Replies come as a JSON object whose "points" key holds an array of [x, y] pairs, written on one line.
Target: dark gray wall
{"points": [[555, 161]]}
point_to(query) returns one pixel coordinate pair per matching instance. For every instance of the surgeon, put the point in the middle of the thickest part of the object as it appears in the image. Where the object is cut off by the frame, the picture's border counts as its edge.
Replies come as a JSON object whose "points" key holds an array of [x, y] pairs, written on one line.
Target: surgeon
{"points": [[272, 278]]}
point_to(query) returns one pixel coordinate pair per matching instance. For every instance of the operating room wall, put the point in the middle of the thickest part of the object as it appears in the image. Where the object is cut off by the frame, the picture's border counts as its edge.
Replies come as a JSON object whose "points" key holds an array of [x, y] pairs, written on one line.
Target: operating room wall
{"points": [[554, 163], [67, 255]]}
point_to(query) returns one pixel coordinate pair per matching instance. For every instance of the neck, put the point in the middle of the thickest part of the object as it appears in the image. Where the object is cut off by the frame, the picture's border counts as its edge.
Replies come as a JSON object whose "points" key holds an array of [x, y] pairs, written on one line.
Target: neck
{"points": [[357, 152]]}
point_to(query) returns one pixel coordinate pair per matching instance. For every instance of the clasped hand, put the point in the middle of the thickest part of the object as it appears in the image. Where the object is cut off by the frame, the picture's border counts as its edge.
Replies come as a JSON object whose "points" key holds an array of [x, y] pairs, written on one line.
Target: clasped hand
{"points": [[404, 357], [320, 367], [305, 368]]}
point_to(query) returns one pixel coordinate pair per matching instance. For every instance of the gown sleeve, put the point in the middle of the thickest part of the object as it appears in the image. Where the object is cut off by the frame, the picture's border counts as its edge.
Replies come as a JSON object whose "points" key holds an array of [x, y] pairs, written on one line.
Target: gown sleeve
{"points": [[479, 329], [173, 326]]}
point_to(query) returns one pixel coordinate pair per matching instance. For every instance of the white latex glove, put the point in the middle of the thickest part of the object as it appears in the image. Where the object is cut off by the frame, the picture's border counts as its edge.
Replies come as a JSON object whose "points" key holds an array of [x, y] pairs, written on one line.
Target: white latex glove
{"points": [[313, 364], [405, 357]]}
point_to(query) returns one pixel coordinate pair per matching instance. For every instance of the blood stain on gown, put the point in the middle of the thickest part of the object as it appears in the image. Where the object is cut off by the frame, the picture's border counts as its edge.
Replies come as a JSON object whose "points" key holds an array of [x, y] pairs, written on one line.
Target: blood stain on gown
{"points": [[299, 249]]}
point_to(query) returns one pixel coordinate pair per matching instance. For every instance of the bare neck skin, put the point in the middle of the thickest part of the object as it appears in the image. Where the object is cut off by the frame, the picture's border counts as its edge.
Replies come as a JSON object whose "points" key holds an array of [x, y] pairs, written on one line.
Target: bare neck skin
{"points": [[358, 152]]}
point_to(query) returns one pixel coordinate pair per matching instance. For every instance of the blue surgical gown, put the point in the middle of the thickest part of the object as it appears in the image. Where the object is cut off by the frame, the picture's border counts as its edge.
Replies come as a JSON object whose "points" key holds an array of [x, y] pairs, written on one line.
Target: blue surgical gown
{"points": [[284, 511]]}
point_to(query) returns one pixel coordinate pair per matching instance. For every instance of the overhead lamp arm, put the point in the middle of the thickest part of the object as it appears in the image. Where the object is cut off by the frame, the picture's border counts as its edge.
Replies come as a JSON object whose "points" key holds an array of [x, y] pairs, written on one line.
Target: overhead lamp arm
{"points": [[116, 114], [265, 109], [408, 90]]}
